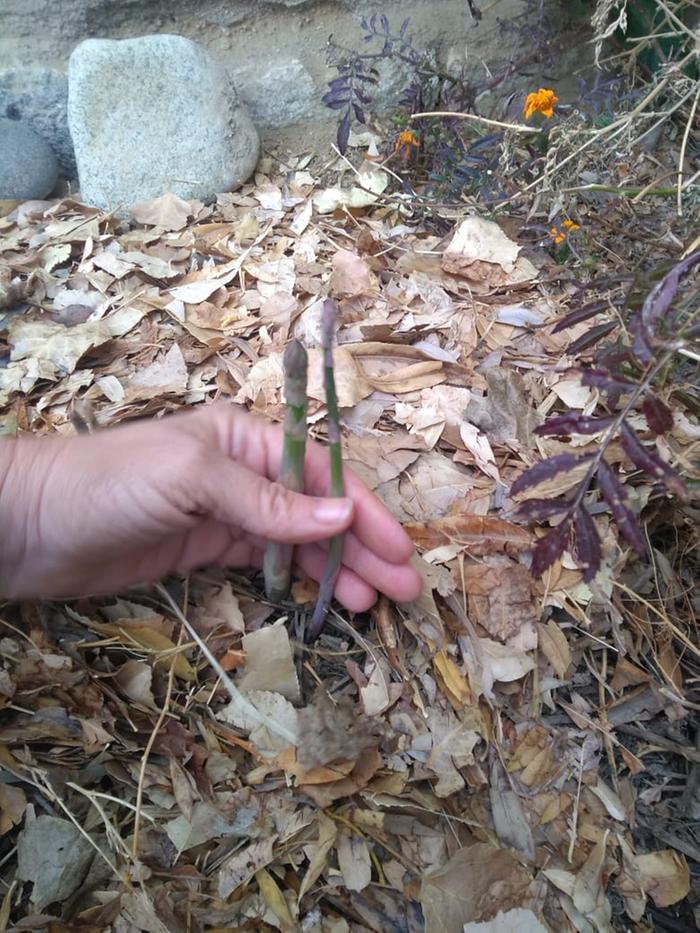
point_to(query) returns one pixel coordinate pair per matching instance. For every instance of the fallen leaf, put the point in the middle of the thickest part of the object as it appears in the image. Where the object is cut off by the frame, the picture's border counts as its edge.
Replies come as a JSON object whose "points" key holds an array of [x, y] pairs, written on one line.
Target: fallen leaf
{"points": [[269, 662], [479, 535], [166, 375], [665, 876], [479, 447], [317, 853], [453, 743], [476, 884], [242, 866], [354, 861], [167, 212], [274, 899], [481, 251], [509, 820], [134, 679], [56, 344], [516, 920], [350, 275], [13, 803], [555, 647], [500, 598], [55, 856]]}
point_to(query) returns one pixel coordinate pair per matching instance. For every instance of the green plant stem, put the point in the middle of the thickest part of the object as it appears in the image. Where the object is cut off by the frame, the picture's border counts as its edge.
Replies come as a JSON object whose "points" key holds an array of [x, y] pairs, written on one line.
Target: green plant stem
{"points": [[335, 548], [277, 566]]}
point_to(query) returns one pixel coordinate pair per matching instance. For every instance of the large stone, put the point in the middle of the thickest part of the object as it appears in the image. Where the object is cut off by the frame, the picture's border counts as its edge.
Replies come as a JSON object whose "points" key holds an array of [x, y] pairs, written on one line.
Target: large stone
{"points": [[28, 167], [155, 114], [277, 93], [39, 96]]}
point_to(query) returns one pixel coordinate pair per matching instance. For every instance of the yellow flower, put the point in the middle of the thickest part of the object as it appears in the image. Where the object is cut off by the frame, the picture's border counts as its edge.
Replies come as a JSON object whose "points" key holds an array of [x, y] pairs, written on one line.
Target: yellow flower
{"points": [[403, 144], [543, 101], [558, 234]]}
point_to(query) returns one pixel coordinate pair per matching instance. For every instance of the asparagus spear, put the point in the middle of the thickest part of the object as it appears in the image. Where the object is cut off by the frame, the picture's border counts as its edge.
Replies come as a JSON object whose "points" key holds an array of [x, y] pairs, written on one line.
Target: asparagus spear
{"points": [[278, 557], [335, 548]]}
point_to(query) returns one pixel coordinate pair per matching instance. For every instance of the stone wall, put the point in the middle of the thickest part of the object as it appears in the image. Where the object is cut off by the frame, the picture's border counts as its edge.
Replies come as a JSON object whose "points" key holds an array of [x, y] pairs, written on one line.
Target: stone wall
{"points": [[275, 48]]}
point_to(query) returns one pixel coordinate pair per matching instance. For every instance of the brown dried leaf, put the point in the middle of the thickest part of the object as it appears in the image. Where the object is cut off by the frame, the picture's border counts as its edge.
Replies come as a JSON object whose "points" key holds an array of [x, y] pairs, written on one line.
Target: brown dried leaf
{"points": [[269, 662], [665, 876], [169, 212], [476, 883], [500, 598], [350, 275], [480, 535], [555, 647]]}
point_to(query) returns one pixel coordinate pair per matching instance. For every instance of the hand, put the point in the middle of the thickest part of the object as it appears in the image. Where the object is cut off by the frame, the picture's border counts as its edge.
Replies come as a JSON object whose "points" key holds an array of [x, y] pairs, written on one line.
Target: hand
{"points": [[97, 513]]}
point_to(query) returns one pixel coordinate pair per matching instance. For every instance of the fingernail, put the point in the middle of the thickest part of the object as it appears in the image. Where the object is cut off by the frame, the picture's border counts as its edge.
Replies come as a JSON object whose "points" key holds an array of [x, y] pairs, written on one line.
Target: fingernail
{"points": [[331, 511]]}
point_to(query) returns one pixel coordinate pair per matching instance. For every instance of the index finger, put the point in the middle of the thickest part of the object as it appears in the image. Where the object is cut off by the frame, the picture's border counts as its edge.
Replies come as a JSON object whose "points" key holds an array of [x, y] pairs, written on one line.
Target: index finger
{"points": [[373, 524]]}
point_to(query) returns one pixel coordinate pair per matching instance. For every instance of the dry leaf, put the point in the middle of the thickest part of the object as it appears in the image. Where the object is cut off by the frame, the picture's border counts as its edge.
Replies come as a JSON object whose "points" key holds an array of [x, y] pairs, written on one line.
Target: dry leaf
{"points": [[479, 535], [665, 876], [555, 647], [274, 899], [317, 852], [350, 275], [481, 251], [509, 820], [354, 861], [516, 920], [13, 803], [478, 446], [55, 344], [134, 679], [500, 599], [166, 375], [54, 855], [242, 866], [452, 748], [476, 884], [167, 212], [269, 662]]}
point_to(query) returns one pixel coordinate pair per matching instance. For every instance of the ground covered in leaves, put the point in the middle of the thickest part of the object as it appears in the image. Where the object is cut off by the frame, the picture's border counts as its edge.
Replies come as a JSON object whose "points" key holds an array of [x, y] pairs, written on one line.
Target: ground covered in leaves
{"points": [[506, 753]]}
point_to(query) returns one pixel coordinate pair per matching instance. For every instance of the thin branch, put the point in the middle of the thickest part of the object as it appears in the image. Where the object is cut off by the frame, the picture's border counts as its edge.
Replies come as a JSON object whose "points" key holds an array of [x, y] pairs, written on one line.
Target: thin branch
{"points": [[515, 127], [681, 156]]}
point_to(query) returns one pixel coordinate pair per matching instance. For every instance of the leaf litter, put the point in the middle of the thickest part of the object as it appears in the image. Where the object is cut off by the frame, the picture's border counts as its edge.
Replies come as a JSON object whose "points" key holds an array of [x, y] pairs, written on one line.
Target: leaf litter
{"points": [[501, 754]]}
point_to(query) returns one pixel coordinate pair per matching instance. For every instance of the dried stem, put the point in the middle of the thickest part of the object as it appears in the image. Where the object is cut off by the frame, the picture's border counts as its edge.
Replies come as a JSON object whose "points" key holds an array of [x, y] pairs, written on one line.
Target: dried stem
{"points": [[277, 566], [335, 548]]}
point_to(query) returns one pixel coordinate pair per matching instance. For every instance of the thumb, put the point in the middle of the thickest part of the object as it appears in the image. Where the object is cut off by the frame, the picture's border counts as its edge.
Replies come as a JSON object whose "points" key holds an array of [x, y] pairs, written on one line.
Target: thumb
{"points": [[241, 497]]}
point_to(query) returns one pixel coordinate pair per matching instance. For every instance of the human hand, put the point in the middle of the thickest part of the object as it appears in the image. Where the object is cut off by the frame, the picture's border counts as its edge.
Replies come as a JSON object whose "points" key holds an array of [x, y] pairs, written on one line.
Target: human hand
{"points": [[98, 513]]}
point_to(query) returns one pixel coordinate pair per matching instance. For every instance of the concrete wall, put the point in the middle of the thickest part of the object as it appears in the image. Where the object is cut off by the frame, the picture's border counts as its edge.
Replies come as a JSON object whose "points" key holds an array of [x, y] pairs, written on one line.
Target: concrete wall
{"points": [[275, 48]]}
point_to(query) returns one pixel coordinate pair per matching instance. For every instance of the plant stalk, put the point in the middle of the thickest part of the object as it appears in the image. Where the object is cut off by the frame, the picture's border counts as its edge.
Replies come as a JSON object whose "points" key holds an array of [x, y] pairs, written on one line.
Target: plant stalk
{"points": [[335, 548], [277, 565]]}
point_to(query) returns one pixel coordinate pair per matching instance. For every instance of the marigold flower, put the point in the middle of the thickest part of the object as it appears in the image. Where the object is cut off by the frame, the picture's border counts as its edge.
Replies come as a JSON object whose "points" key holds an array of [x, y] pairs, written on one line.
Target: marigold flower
{"points": [[543, 101], [559, 234], [403, 144]]}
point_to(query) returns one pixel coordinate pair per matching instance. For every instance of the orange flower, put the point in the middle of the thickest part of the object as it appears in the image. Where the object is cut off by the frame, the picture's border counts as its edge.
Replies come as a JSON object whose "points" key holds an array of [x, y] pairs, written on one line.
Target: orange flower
{"points": [[403, 144], [558, 234], [543, 101]]}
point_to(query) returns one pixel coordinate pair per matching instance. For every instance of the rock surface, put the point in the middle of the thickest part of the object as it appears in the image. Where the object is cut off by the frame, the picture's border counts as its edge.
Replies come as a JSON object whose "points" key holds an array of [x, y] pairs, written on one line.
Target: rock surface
{"points": [[280, 93], [39, 96], [28, 167], [155, 114]]}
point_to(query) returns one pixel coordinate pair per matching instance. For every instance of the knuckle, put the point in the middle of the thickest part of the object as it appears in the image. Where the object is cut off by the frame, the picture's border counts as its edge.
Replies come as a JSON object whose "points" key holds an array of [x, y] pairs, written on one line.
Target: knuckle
{"points": [[275, 503]]}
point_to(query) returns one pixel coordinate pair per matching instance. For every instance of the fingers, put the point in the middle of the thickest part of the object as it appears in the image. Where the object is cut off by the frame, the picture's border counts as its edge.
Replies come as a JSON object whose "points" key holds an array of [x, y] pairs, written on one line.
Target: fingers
{"points": [[257, 444], [399, 582], [237, 496]]}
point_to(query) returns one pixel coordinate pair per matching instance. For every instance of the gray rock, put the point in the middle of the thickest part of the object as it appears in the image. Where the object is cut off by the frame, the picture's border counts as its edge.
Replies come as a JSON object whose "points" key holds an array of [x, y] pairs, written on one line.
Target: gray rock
{"points": [[155, 114], [28, 167], [278, 94], [39, 96]]}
